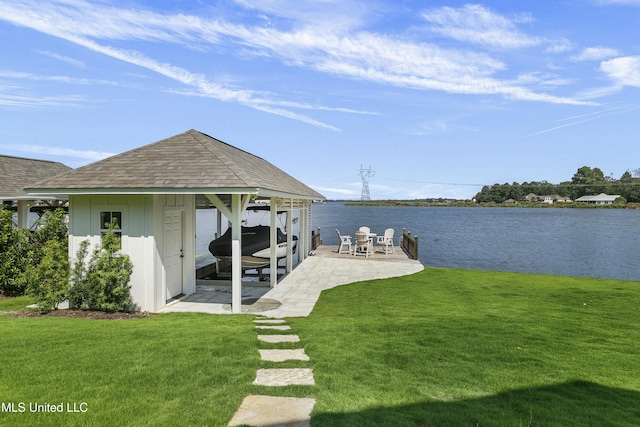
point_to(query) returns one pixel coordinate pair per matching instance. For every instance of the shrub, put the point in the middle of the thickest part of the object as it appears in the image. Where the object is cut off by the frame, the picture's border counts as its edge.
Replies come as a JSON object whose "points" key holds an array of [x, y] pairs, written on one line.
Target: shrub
{"points": [[45, 274], [103, 284], [49, 285], [13, 255]]}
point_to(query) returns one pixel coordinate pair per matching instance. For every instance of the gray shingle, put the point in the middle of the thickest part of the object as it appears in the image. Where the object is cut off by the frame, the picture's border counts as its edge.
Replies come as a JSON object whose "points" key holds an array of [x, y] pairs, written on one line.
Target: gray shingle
{"points": [[191, 160], [17, 173]]}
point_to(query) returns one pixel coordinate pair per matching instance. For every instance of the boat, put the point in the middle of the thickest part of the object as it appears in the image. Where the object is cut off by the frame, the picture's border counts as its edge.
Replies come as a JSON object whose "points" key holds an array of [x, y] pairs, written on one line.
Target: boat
{"points": [[256, 245]]}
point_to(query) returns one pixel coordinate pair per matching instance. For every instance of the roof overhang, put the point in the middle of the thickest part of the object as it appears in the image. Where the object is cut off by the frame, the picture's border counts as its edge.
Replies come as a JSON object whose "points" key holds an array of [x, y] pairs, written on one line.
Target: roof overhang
{"points": [[34, 196], [262, 192]]}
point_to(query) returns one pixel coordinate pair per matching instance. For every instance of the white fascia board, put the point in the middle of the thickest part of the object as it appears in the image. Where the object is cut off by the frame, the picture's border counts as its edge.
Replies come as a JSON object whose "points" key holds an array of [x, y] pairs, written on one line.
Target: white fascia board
{"points": [[146, 190], [206, 190], [284, 195], [35, 196]]}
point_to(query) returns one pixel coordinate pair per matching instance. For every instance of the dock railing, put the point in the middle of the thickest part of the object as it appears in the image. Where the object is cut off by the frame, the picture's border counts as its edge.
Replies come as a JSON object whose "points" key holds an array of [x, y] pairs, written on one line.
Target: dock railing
{"points": [[316, 240], [409, 244]]}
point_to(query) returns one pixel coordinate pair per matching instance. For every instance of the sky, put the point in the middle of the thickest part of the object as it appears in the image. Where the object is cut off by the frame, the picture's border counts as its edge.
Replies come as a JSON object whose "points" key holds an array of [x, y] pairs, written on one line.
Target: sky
{"points": [[432, 99]]}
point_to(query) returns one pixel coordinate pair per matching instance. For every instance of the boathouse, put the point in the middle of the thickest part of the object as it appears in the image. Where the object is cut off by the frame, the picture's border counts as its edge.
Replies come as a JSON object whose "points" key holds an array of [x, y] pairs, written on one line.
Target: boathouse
{"points": [[153, 190], [16, 173]]}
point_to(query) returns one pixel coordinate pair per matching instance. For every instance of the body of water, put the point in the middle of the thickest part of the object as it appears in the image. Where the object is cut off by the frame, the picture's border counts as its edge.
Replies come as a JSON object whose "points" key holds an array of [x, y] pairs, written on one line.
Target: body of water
{"points": [[571, 242]]}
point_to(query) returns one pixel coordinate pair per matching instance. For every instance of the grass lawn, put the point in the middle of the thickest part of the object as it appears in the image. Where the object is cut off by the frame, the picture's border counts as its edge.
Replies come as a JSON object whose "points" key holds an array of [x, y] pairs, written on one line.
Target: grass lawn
{"points": [[443, 347], [15, 304], [168, 370], [451, 347]]}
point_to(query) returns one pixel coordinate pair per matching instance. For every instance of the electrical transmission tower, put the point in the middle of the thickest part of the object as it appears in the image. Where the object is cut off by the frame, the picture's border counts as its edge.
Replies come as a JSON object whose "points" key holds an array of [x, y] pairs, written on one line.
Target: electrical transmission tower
{"points": [[365, 174]]}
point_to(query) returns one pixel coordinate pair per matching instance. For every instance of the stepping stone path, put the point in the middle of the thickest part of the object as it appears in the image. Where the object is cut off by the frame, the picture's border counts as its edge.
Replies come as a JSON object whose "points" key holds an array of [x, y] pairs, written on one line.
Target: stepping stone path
{"points": [[257, 410]]}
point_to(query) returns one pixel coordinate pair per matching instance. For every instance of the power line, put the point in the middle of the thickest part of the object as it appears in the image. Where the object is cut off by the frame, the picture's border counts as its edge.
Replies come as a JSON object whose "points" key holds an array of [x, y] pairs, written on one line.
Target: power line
{"points": [[534, 184]]}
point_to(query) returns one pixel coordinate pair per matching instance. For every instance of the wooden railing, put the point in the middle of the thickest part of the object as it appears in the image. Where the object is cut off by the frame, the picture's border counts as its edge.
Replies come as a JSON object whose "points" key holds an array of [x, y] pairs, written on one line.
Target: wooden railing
{"points": [[409, 244], [316, 240]]}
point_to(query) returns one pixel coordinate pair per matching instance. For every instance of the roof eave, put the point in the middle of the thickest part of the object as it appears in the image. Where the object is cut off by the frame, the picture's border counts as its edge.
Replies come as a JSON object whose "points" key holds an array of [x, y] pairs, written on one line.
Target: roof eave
{"points": [[168, 190], [34, 196]]}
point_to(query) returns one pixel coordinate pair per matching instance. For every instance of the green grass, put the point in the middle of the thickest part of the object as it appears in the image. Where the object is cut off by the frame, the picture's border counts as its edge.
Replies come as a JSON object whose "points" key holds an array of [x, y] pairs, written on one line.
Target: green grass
{"points": [[169, 370], [15, 304], [458, 348], [442, 347]]}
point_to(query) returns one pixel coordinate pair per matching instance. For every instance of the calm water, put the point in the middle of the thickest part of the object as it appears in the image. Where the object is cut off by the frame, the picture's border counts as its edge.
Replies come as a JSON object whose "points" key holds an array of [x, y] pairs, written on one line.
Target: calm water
{"points": [[571, 242]]}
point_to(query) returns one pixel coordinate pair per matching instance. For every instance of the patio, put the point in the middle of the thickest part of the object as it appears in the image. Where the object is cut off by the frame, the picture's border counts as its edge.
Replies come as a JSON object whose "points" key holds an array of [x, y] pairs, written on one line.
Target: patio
{"points": [[298, 292]]}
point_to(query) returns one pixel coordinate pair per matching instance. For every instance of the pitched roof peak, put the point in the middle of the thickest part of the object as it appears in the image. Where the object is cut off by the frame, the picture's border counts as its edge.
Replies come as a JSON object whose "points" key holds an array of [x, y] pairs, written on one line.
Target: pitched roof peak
{"points": [[188, 162]]}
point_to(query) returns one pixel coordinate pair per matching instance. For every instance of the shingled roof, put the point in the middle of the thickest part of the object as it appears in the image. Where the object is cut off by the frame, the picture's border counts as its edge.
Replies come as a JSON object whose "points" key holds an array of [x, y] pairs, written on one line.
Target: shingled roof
{"points": [[16, 173], [190, 162]]}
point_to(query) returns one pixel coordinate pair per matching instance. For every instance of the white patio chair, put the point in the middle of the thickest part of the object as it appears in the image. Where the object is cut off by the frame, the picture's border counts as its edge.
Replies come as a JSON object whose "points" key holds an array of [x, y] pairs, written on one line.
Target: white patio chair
{"points": [[365, 229], [345, 242], [386, 241], [363, 244]]}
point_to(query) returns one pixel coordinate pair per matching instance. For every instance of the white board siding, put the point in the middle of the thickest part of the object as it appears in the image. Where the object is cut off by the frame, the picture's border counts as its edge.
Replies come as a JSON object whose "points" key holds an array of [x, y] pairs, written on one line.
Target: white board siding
{"points": [[141, 238]]}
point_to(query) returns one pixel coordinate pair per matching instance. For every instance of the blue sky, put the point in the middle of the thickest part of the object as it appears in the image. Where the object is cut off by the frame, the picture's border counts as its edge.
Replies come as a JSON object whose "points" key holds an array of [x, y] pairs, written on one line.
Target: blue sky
{"points": [[439, 98]]}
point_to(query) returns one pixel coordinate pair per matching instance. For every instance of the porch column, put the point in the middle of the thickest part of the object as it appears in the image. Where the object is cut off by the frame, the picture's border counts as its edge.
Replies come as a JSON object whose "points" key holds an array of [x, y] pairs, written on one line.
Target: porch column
{"points": [[23, 213], [236, 253], [303, 245], [273, 238], [218, 223], [290, 237]]}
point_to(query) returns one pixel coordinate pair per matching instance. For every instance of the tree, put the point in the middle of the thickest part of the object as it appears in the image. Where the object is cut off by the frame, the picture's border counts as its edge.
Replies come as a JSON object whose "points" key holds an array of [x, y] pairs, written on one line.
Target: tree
{"points": [[629, 187], [103, 284], [514, 192], [13, 255], [587, 181], [53, 228], [50, 283]]}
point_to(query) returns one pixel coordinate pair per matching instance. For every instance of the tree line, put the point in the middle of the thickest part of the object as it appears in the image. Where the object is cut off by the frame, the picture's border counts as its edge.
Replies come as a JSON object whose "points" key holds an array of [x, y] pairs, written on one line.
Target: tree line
{"points": [[586, 181]]}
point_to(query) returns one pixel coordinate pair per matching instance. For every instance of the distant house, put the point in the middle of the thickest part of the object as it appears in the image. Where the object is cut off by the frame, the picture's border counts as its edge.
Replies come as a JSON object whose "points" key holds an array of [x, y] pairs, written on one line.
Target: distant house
{"points": [[561, 199], [600, 199], [550, 199], [16, 173], [531, 197]]}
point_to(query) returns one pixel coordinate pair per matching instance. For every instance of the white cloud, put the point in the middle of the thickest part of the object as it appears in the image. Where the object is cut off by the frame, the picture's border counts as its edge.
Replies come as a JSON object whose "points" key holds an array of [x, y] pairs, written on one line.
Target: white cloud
{"points": [[59, 151], [71, 61], [596, 53], [335, 192], [624, 71], [358, 55], [330, 15], [476, 24], [619, 2]]}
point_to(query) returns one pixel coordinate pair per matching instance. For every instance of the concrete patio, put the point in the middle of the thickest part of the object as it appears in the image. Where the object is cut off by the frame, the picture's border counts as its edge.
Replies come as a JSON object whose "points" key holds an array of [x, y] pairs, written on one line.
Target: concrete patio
{"points": [[297, 293]]}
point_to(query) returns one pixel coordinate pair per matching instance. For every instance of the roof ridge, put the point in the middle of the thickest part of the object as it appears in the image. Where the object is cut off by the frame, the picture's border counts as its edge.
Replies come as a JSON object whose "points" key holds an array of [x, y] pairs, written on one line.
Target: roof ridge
{"points": [[33, 160], [233, 166]]}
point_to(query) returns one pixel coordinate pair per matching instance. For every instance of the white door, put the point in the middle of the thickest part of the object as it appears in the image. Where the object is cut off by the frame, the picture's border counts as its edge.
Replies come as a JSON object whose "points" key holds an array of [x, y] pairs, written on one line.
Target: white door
{"points": [[173, 252]]}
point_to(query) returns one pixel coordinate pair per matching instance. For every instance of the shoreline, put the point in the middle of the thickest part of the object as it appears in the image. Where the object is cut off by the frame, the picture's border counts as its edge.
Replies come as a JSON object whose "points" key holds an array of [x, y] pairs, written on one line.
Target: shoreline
{"points": [[468, 204]]}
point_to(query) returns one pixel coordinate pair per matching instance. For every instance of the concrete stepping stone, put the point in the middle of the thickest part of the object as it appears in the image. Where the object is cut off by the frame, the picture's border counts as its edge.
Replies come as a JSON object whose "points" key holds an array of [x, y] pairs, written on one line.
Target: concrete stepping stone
{"points": [[284, 377], [270, 321], [277, 327], [283, 355], [278, 338], [263, 411]]}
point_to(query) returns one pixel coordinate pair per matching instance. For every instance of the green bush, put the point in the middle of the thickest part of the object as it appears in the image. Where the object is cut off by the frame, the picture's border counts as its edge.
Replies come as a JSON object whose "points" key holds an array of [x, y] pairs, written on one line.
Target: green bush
{"points": [[45, 274], [103, 284], [49, 284], [13, 256]]}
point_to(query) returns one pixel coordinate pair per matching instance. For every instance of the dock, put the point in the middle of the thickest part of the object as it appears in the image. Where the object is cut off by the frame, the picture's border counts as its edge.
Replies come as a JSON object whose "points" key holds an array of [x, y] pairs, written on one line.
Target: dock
{"points": [[297, 293]]}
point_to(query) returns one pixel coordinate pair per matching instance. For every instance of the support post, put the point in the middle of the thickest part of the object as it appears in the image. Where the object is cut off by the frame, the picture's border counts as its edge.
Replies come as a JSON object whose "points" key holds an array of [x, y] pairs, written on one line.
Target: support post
{"points": [[23, 213], [304, 238], [236, 254], [273, 237], [290, 238]]}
